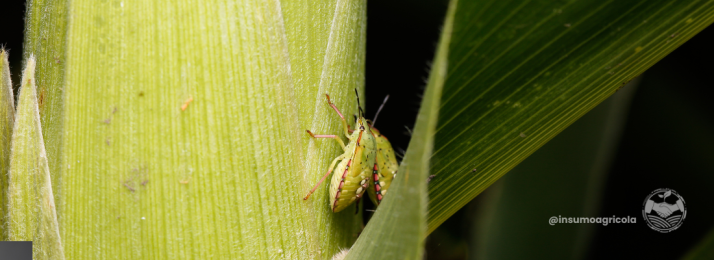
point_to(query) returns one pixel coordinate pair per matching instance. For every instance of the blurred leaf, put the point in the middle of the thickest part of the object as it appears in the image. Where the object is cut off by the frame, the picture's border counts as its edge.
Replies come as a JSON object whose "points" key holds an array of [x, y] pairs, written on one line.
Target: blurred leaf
{"points": [[521, 72], [703, 250], [572, 167], [398, 228], [7, 118], [31, 206]]}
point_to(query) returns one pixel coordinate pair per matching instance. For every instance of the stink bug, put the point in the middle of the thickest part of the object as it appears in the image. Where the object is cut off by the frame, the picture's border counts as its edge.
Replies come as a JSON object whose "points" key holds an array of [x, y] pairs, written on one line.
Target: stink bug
{"points": [[387, 162], [387, 168], [356, 163]]}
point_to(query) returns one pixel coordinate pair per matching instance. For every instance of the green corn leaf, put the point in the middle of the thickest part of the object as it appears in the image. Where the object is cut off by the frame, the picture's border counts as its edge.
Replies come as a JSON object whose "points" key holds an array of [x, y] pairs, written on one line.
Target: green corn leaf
{"points": [[327, 58], [176, 129], [46, 39], [520, 72], [31, 207], [7, 118]]}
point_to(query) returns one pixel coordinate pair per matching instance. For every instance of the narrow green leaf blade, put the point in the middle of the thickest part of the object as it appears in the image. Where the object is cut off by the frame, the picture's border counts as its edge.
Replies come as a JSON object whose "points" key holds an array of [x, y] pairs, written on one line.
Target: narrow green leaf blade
{"points": [[46, 39], [327, 53], [307, 31], [520, 72], [7, 119], [31, 205], [308, 27], [326, 41], [398, 228]]}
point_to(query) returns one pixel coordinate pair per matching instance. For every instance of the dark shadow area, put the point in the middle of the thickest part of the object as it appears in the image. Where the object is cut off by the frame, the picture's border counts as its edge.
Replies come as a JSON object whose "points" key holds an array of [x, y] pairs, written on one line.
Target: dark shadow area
{"points": [[667, 143], [12, 35]]}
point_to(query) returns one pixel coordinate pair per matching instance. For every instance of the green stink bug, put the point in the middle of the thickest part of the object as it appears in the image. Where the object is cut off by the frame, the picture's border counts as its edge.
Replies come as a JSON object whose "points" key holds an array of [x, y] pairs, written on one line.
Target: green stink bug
{"points": [[386, 160], [387, 169], [356, 163]]}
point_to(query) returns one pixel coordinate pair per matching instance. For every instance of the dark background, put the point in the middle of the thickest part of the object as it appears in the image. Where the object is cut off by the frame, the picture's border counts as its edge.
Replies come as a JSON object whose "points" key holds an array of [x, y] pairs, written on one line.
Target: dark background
{"points": [[667, 140]]}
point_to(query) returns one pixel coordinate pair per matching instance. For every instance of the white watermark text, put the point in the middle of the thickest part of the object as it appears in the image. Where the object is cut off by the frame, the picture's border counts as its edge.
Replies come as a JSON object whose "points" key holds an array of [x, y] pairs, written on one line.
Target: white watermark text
{"points": [[592, 220]]}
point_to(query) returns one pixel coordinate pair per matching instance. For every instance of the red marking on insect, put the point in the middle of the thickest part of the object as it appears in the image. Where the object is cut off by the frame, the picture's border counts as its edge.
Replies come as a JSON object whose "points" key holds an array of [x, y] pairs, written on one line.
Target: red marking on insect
{"points": [[377, 186], [344, 175], [342, 183]]}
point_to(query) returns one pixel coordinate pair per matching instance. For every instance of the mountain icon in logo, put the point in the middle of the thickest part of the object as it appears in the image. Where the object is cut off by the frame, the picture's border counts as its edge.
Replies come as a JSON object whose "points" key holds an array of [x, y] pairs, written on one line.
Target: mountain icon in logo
{"points": [[664, 210]]}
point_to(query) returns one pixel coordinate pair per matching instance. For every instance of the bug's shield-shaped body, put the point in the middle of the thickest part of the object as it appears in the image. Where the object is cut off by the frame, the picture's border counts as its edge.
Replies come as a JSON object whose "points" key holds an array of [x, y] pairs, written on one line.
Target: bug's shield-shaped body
{"points": [[352, 175], [387, 167]]}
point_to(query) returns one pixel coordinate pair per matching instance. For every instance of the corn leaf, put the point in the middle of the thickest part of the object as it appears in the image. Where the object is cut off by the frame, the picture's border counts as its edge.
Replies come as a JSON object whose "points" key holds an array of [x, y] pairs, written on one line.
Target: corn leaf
{"points": [[520, 72], [176, 129], [7, 118], [31, 208]]}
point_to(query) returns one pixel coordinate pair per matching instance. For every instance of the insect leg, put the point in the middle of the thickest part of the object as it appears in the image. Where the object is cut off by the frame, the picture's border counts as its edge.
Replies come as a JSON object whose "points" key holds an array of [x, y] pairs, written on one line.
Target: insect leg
{"points": [[344, 122], [328, 136], [332, 166]]}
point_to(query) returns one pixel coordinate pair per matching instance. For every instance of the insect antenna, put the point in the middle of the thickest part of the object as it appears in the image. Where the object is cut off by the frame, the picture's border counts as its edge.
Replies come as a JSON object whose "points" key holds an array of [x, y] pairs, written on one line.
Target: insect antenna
{"points": [[400, 153], [374, 121], [361, 113], [409, 131]]}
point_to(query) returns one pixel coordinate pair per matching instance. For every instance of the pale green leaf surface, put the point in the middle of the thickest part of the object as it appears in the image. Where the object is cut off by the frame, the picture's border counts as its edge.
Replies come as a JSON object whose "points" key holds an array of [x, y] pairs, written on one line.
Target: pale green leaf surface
{"points": [[31, 208], [7, 118], [179, 136], [398, 228], [180, 128], [307, 28], [522, 71]]}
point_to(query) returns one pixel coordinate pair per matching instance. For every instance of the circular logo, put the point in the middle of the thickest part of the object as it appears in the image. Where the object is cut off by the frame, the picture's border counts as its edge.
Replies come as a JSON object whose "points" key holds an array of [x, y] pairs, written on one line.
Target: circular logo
{"points": [[664, 210]]}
